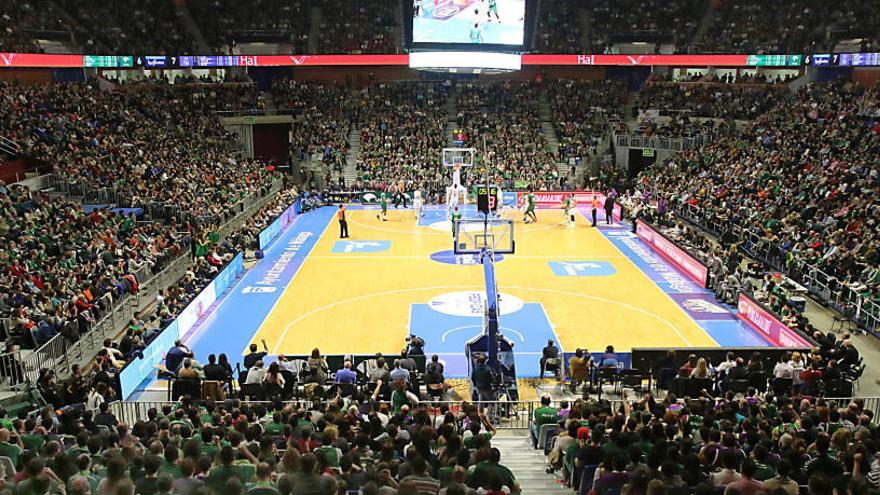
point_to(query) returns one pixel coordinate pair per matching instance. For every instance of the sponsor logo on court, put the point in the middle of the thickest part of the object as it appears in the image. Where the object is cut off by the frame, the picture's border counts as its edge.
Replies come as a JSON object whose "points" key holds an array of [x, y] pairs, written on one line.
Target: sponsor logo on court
{"points": [[360, 246], [702, 306], [258, 290], [273, 275], [471, 303], [676, 281], [582, 268]]}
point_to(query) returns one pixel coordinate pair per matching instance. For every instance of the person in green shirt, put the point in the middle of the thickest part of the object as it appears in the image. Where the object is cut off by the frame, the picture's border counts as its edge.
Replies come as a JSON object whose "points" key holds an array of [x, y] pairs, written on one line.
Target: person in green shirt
{"points": [[530, 215], [476, 34], [455, 216], [169, 462], [544, 415], [263, 485], [276, 426], [473, 438], [10, 450], [383, 201], [493, 9], [491, 468]]}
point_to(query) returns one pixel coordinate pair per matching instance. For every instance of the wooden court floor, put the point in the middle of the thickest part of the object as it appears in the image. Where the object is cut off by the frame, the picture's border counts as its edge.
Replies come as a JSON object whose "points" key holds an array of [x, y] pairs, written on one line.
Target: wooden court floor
{"points": [[367, 296]]}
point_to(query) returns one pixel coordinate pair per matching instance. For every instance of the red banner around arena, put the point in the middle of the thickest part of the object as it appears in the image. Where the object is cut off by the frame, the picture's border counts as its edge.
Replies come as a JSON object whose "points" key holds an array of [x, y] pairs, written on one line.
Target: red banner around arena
{"points": [[689, 265], [767, 324], [674, 60], [39, 60], [315, 60]]}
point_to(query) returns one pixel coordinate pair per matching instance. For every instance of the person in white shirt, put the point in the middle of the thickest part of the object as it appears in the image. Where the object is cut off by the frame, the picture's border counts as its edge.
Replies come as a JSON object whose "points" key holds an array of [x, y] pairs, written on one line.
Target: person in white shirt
{"points": [[782, 369], [729, 362], [96, 397], [255, 374]]}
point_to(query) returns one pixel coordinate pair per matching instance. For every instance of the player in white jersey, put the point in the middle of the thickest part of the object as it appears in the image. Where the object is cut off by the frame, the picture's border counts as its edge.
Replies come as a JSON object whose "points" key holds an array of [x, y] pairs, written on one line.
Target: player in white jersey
{"points": [[456, 175], [417, 204], [451, 198], [499, 202]]}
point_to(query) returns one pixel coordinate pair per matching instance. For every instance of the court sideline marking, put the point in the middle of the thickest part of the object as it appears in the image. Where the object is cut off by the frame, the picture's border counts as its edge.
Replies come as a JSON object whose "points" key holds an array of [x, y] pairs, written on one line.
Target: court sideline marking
{"points": [[654, 284], [289, 284], [368, 256], [447, 234], [298, 319]]}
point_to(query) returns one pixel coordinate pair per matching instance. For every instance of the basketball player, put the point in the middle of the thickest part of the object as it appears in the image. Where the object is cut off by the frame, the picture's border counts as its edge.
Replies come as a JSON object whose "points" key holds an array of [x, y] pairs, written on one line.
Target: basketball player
{"points": [[476, 34], [568, 206], [493, 9], [456, 175], [417, 204], [530, 208], [383, 200], [454, 218], [499, 202]]}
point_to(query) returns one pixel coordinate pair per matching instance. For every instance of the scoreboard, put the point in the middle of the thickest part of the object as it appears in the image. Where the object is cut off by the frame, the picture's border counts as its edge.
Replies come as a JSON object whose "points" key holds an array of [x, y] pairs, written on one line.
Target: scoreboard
{"points": [[487, 199]]}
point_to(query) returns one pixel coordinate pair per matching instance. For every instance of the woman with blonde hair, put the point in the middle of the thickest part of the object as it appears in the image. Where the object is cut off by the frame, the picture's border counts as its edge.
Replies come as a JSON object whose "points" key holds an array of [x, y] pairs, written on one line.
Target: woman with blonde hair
{"points": [[797, 367], [701, 370]]}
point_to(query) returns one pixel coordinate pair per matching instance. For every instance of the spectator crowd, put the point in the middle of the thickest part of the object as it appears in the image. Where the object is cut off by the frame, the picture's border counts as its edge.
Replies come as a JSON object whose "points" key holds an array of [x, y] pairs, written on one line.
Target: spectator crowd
{"points": [[798, 185]]}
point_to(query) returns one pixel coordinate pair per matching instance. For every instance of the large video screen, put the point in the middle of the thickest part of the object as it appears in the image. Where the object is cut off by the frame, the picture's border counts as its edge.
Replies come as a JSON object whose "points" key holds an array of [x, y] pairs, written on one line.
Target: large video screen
{"points": [[474, 22]]}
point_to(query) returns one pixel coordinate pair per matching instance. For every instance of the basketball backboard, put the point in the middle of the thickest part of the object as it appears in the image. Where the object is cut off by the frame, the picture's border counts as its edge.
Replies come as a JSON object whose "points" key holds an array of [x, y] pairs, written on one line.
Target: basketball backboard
{"points": [[472, 235], [459, 156]]}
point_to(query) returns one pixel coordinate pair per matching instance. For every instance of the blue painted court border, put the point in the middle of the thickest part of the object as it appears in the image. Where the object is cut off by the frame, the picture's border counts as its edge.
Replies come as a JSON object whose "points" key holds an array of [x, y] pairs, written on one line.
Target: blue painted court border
{"points": [[248, 303], [727, 332]]}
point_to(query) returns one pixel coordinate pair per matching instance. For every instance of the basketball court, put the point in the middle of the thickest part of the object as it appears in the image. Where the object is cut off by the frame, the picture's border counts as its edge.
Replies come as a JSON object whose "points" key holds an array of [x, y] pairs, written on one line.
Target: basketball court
{"points": [[581, 286], [450, 21]]}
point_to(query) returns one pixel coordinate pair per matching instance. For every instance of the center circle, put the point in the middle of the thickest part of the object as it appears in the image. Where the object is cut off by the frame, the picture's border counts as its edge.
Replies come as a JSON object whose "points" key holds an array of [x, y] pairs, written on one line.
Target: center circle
{"points": [[472, 303]]}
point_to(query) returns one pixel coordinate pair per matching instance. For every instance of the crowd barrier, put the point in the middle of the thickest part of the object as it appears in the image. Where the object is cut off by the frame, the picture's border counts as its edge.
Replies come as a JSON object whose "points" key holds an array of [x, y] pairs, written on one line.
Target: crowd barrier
{"points": [[140, 368], [21, 369], [658, 143], [280, 224], [86, 193], [508, 415], [764, 321], [668, 249], [649, 360], [826, 288]]}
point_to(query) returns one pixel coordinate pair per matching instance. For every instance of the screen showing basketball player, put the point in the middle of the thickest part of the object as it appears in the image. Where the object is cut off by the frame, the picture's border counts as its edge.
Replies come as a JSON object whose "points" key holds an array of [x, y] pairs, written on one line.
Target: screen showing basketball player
{"points": [[487, 22]]}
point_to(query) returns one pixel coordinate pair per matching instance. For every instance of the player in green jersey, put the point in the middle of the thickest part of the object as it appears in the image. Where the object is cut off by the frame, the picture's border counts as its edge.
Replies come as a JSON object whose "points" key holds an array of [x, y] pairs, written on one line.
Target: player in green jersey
{"points": [[383, 200], [568, 206], [493, 9], [476, 34], [455, 216], [530, 208]]}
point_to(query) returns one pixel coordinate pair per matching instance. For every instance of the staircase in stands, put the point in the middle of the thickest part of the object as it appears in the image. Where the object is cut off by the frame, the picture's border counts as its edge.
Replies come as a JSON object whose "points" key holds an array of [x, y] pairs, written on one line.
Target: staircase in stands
{"points": [[526, 463], [549, 130]]}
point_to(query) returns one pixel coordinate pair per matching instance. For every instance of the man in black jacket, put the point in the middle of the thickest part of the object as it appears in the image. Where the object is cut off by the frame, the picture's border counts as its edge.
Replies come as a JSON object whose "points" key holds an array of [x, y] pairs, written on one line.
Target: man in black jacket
{"points": [[551, 352], [214, 371]]}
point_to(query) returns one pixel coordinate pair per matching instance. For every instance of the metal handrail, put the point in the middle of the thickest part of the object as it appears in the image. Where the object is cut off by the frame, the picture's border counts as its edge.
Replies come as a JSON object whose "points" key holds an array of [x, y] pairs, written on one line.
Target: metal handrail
{"points": [[823, 286], [509, 415], [60, 354]]}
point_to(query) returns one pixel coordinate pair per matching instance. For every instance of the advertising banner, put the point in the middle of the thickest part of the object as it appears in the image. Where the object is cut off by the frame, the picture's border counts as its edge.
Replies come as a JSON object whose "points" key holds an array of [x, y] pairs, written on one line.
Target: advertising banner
{"points": [[138, 370], [689, 265], [280, 224], [553, 199], [767, 324], [372, 197]]}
